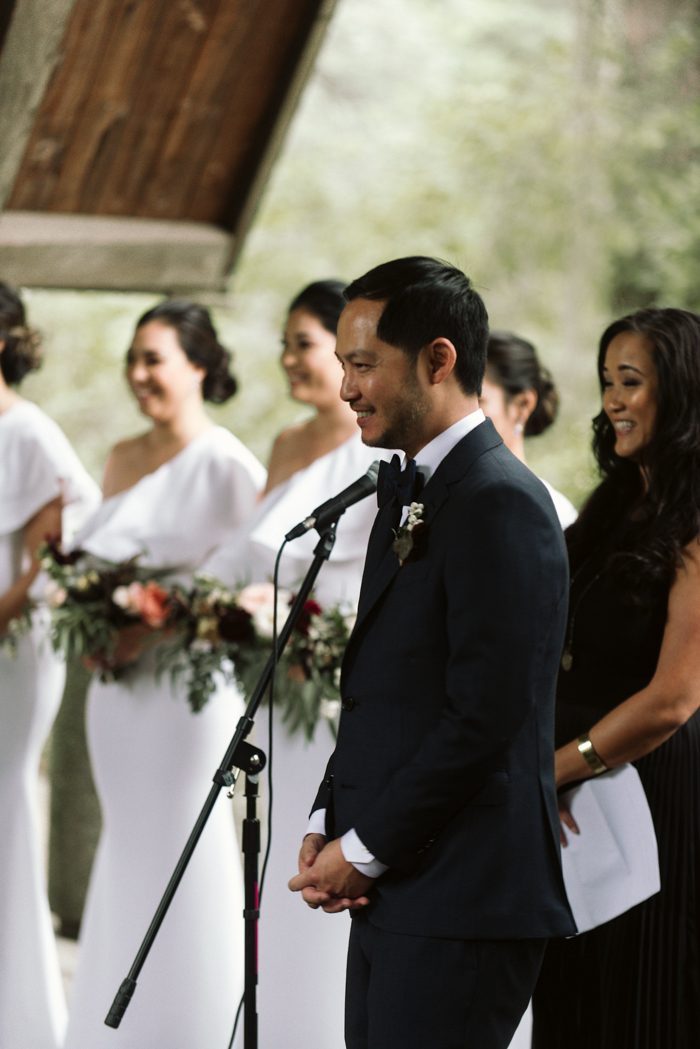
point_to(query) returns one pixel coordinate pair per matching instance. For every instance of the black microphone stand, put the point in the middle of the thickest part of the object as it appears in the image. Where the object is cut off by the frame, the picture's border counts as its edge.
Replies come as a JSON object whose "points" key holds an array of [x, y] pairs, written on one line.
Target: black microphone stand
{"points": [[239, 756]]}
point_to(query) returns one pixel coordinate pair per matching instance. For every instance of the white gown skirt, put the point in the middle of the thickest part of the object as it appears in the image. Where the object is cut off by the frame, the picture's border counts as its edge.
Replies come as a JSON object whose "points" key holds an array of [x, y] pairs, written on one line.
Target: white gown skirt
{"points": [[32, 1005], [301, 983], [153, 762]]}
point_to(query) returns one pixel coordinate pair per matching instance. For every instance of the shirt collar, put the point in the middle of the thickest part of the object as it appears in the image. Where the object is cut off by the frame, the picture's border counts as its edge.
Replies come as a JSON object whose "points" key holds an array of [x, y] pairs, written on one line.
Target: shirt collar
{"points": [[429, 458]]}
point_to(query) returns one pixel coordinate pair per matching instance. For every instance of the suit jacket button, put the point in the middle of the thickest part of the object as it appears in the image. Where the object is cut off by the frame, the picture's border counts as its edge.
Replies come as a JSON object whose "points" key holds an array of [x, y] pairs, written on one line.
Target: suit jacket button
{"points": [[348, 703]]}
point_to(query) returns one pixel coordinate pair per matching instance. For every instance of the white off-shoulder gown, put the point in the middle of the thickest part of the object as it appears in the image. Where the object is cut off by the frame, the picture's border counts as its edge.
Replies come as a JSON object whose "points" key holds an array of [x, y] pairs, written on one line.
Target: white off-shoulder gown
{"points": [[301, 986], [153, 761], [37, 464]]}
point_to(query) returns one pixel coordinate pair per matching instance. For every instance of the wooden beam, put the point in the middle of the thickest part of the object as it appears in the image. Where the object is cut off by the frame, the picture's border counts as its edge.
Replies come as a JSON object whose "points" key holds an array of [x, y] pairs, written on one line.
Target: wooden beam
{"points": [[121, 254], [31, 49]]}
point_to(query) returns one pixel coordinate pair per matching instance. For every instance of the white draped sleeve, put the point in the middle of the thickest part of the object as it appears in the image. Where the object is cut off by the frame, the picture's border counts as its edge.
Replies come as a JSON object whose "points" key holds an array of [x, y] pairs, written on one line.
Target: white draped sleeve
{"points": [[566, 511], [38, 465], [248, 554], [174, 517]]}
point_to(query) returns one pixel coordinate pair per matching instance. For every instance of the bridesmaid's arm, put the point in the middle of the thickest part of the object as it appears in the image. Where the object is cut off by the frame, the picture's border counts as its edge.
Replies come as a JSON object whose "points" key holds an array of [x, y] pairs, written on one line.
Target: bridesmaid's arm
{"points": [[46, 524], [120, 469], [648, 718], [284, 457], [276, 467]]}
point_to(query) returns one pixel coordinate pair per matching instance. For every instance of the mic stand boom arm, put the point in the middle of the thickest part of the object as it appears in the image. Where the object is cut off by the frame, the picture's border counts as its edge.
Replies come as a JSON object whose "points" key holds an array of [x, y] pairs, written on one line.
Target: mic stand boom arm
{"points": [[239, 756]]}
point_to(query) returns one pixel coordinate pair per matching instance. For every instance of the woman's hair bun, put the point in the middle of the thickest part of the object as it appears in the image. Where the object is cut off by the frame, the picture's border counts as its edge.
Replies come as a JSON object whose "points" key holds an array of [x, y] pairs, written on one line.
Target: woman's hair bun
{"points": [[512, 363], [21, 350]]}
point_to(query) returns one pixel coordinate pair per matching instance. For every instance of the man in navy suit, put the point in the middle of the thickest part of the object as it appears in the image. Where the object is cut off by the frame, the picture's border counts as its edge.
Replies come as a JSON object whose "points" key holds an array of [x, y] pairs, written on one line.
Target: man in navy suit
{"points": [[436, 823]]}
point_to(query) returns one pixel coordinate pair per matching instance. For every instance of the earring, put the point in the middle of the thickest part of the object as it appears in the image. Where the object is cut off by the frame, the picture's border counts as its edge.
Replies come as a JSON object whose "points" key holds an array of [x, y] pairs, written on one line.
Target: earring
{"points": [[519, 429]]}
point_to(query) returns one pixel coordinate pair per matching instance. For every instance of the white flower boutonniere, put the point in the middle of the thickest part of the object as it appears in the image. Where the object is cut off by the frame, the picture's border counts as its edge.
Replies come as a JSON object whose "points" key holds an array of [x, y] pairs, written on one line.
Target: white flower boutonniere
{"points": [[411, 535]]}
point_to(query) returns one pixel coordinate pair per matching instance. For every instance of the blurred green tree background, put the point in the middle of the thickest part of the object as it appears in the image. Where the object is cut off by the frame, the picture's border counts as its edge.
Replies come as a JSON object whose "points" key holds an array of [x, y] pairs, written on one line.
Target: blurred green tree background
{"points": [[549, 148]]}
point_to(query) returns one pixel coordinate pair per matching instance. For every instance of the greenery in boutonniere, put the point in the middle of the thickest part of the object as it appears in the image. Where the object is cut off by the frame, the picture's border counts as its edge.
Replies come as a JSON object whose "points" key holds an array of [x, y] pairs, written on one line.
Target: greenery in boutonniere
{"points": [[410, 537]]}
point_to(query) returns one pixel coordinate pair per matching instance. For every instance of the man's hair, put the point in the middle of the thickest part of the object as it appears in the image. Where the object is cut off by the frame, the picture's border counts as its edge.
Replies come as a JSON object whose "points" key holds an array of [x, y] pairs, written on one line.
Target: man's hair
{"points": [[428, 299]]}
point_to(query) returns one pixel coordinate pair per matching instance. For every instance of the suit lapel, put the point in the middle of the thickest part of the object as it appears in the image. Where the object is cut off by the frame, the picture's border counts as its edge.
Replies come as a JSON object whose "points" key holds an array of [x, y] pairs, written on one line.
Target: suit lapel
{"points": [[381, 563]]}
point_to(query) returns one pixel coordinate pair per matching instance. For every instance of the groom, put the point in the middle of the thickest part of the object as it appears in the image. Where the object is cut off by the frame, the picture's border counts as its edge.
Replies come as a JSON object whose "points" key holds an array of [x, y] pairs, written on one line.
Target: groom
{"points": [[436, 823]]}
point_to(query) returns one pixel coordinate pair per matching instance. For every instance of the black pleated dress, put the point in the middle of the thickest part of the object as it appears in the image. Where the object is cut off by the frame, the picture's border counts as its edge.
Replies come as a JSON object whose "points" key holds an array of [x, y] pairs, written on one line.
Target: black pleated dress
{"points": [[633, 983]]}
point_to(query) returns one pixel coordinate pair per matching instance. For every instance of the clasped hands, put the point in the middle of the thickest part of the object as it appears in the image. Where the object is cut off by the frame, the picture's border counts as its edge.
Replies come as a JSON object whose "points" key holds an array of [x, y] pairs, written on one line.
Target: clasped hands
{"points": [[326, 879]]}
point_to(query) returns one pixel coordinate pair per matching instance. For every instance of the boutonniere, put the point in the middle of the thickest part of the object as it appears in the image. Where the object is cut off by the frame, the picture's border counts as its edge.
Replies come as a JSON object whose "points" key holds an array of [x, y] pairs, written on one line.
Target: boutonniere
{"points": [[410, 537]]}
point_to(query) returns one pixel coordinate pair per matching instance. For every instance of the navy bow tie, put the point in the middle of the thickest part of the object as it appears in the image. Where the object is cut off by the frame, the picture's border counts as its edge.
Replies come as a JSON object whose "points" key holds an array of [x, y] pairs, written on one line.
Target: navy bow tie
{"points": [[394, 483]]}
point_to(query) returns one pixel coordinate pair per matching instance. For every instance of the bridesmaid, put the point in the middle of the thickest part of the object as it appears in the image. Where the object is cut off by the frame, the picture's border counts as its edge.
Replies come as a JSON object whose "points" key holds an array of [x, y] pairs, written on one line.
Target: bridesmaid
{"points": [[521, 400], [302, 953], [169, 495], [43, 484]]}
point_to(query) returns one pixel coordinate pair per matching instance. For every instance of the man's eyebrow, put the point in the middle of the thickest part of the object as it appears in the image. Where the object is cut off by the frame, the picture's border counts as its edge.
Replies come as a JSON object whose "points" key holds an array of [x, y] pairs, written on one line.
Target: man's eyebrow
{"points": [[352, 355]]}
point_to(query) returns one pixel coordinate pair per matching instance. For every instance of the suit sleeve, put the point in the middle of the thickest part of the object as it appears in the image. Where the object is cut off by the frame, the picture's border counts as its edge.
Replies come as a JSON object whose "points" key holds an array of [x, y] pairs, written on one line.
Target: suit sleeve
{"points": [[324, 798]]}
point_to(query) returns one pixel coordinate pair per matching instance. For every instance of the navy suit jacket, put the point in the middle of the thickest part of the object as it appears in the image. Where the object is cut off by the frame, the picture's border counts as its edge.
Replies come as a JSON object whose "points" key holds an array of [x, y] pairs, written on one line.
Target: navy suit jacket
{"points": [[444, 757]]}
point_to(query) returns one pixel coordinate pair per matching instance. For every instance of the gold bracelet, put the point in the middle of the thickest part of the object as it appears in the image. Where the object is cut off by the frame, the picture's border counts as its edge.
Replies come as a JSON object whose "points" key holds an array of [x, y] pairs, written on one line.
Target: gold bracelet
{"points": [[590, 755]]}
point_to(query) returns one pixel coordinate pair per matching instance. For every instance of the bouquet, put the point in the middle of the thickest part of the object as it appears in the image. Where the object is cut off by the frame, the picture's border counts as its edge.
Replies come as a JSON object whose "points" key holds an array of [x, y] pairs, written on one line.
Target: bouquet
{"points": [[205, 631], [230, 633], [91, 600]]}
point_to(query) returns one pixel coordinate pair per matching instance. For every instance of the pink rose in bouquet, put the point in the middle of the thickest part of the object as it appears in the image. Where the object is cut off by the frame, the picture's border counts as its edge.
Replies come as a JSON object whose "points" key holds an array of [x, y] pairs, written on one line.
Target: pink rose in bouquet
{"points": [[147, 601]]}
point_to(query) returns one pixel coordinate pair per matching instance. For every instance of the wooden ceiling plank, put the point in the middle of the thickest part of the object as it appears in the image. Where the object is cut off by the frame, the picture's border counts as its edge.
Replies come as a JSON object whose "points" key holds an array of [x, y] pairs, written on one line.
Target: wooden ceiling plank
{"points": [[240, 216], [29, 56], [228, 120], [167, 58], [62, 109], [106, 107], [259, 98], [243, 100], [188, 135]]}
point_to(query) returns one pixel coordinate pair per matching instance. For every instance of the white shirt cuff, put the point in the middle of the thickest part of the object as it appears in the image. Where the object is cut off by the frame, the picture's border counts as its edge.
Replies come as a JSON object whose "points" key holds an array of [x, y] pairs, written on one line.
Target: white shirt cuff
{"points": [[361, 858], [317, 822]]}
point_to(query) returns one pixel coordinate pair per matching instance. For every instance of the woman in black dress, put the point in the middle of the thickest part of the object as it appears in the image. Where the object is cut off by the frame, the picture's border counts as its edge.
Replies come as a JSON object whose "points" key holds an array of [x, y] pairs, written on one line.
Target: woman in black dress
{"points": [[629, 689]]}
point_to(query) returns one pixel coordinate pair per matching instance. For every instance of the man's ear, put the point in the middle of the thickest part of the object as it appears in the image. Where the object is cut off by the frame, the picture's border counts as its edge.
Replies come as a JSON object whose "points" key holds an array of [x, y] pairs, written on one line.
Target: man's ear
{"points": [[440, 359]]}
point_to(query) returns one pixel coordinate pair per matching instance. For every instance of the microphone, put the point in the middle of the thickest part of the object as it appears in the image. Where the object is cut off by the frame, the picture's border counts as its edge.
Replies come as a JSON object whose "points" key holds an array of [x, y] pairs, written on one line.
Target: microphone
{"points": [[332, 508]]}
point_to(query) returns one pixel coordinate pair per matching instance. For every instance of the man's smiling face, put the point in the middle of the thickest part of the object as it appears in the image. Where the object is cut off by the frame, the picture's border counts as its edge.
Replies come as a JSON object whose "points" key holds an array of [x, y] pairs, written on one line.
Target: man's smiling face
{"points": [[381, 383]]}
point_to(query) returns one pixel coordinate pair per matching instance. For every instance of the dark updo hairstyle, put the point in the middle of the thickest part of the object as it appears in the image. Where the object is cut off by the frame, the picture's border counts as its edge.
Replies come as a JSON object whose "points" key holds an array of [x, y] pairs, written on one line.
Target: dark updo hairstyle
{"points": [[200, 343], [324, 300], [512, 364], [21, 352], [650, 524]]}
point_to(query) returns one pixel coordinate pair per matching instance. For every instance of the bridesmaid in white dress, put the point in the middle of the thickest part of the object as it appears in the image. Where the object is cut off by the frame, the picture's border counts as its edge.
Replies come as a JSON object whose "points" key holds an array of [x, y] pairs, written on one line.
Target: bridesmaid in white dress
{"points": [[169, 495], [302, 952], [42, 484], [520, 398]]}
